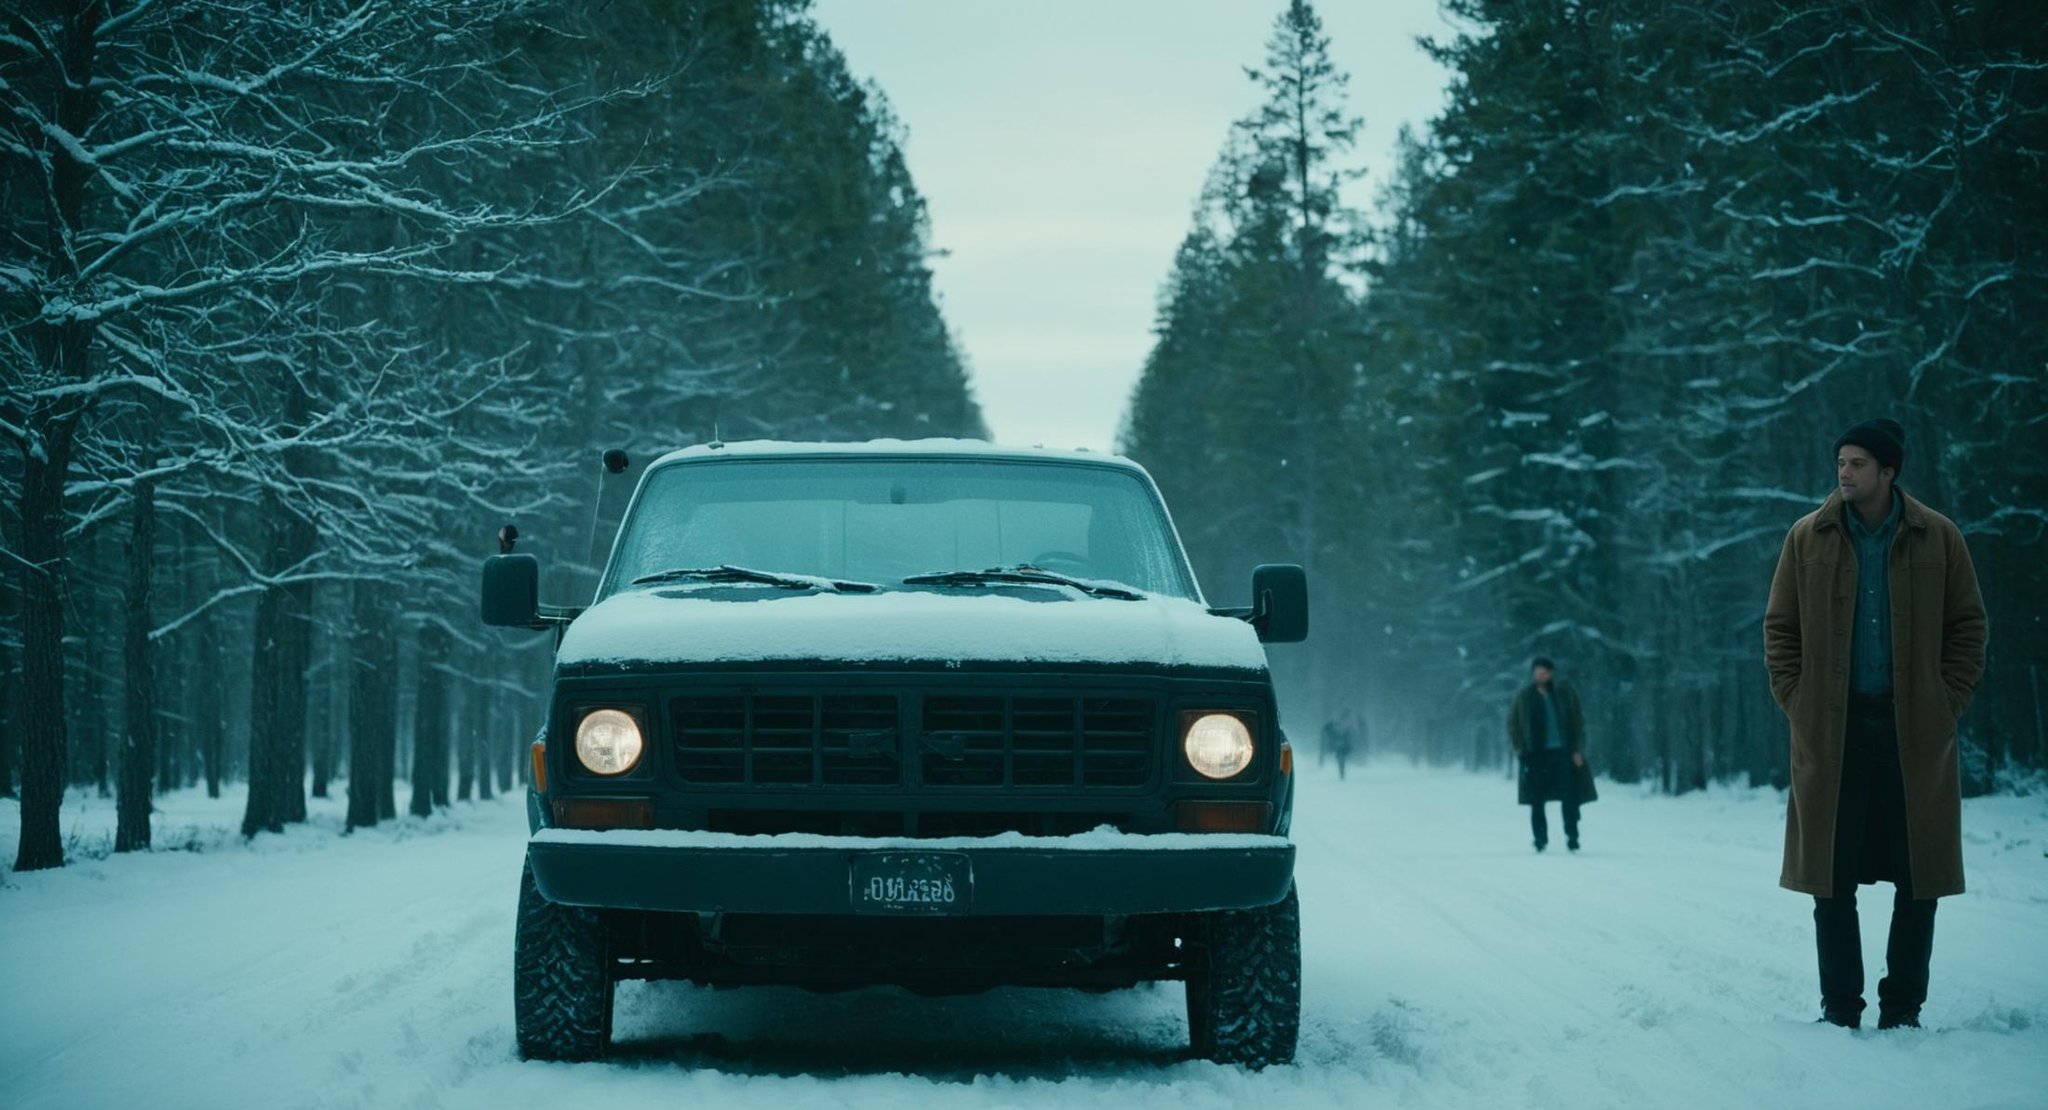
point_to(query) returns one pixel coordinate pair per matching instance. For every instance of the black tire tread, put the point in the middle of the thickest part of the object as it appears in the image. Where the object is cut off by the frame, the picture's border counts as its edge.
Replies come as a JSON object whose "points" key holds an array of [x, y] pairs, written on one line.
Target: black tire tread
{"points": [[1244, 1003], [561, 979]]}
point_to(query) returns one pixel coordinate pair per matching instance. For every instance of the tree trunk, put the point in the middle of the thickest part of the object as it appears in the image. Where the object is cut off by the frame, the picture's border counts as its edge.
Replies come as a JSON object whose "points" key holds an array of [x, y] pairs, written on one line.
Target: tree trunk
{"points": [[301, 539], [66, 348], [323, 715], [429, 734], [463, 736], [171, 727], [44, 752], [138, 750], [98, 678], [270, 673], [507, 751], [387, 749], [261, 812], [443, 736], [386, 734], [210, 710], [291, 705], [277, 707], [284, 646], [10, 705], [487, 746], [371, 715]]}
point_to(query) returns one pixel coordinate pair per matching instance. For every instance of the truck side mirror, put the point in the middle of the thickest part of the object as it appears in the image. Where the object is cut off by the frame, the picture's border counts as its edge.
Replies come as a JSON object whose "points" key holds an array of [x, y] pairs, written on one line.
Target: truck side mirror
{"points": [[1280, 603], [511, 596]]}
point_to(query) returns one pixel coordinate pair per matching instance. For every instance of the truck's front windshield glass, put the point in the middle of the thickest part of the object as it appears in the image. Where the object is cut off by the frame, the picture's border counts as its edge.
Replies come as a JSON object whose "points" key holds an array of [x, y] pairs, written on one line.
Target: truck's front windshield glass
{"points": [[882, 520]]}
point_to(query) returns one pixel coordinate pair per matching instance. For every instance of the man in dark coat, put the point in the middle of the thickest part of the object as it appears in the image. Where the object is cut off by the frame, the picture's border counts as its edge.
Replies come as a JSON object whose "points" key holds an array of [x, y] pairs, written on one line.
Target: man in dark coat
{"points": [[1548, 729], [1874, 638], [1340, 736]]}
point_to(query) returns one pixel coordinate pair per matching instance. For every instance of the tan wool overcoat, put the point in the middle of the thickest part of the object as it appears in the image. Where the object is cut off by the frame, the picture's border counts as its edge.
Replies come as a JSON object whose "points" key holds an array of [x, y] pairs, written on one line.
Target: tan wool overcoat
{"points": [[1938, 632]]}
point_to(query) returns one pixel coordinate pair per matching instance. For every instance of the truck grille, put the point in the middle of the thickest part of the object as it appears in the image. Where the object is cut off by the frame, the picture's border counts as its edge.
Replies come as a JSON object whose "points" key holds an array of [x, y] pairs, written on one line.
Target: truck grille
{"points": [[964, 742], [788, 739], [1036, 742]]}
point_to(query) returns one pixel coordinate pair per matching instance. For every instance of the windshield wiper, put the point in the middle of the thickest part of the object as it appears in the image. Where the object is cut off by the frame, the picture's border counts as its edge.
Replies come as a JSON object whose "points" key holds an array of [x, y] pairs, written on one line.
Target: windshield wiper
{"points": [[726, 572], [1025, 574]]}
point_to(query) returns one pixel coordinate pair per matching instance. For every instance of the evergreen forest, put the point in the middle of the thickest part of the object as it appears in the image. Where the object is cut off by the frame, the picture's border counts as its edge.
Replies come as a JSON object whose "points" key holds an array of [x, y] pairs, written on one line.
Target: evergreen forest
{"points": [[300, 303], [303, 301], [1563, 390]]}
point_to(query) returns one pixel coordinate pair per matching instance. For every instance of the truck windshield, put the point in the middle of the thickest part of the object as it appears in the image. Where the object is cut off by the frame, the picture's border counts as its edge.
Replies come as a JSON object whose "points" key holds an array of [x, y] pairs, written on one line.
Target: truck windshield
{"points": [[883, 520]]}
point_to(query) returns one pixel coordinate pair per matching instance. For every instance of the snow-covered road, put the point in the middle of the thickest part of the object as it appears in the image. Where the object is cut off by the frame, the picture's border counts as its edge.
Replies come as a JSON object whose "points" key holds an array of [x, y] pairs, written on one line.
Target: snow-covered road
{"points": [[1445, 965]]}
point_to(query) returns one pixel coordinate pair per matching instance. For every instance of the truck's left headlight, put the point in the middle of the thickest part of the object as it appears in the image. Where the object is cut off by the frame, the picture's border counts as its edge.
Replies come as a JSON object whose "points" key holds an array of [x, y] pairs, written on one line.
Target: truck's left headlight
{"points": [[608, 742], [1217, 745]]}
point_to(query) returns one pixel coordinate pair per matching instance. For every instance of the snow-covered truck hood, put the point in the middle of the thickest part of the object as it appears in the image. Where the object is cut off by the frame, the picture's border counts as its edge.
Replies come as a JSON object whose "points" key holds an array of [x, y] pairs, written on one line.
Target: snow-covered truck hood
{"points": [[661, 626]]}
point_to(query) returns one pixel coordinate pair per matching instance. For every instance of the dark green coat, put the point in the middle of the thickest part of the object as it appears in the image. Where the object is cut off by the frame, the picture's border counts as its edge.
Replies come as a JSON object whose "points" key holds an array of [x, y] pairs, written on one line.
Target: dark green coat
{"points": [[1523, 730]]}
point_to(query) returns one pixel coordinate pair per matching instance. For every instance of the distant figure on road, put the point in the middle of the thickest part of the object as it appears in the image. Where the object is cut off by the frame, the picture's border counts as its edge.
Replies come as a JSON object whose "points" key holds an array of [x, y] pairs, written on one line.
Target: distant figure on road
{"points": [[1874, 639], [1548, 730], [1339, 737]]}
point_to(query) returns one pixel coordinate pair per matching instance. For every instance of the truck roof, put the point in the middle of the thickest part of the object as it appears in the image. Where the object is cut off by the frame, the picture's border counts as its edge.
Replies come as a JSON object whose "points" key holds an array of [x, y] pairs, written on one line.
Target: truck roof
{"points": [[945, 448]]}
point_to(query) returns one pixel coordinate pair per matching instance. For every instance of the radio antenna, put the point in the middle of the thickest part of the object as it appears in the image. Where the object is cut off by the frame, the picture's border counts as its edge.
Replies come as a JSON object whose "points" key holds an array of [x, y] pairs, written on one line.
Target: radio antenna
{"points": [[613, 461]]}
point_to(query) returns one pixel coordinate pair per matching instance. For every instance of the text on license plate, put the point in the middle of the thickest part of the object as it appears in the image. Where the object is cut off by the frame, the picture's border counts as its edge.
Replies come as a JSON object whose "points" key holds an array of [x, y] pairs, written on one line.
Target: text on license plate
{"points": [[911, 882]]}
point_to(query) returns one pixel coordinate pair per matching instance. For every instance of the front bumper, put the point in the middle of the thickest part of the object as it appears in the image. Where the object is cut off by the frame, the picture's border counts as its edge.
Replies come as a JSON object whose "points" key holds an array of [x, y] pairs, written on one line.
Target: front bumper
{"points": [[1094, 873]]}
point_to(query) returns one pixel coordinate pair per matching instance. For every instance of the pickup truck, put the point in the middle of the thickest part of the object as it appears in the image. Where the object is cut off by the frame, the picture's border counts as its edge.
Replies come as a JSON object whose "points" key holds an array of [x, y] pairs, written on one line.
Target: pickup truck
{"points": [[935, 715]]}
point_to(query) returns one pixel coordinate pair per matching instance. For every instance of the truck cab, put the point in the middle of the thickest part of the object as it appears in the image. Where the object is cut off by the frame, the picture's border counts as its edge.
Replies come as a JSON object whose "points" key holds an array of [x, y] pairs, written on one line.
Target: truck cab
{"points": [[931, 714]]}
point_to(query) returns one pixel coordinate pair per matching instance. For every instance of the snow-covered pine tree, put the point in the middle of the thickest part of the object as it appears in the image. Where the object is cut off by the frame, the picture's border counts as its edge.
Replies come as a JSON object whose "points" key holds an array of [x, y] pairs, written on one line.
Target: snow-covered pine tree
{"points": [[1243, 410]]}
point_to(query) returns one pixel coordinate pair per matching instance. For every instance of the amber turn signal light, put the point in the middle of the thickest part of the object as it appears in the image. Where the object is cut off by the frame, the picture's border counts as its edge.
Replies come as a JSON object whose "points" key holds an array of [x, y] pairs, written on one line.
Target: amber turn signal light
{"points": [[1286, 759], [540, 765], [1251, 817], [604, 813]]}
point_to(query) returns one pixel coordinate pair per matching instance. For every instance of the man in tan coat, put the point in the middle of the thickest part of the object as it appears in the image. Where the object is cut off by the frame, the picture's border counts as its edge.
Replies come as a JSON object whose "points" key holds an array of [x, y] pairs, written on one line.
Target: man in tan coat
{"points": [[1874, 638]]}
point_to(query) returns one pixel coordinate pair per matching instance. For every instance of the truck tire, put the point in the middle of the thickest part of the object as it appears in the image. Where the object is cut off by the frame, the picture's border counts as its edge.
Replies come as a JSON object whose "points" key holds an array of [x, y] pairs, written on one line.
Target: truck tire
{"points": [[561, 978], [1244, 984]]}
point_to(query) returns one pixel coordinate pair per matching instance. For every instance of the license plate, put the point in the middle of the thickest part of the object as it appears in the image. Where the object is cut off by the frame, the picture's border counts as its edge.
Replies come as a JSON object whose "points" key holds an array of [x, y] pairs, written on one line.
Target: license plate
{"points": [[912, 882]]}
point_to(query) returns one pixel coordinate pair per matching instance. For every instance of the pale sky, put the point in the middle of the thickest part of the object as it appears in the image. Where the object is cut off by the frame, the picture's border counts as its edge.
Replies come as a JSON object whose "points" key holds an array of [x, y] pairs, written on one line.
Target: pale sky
{"points": [[1060, 146]]}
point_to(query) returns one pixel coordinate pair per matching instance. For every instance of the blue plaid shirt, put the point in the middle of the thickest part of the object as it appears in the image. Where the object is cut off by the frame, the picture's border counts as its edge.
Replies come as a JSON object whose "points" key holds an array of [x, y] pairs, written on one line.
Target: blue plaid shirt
{"points": [[1870, 644]]}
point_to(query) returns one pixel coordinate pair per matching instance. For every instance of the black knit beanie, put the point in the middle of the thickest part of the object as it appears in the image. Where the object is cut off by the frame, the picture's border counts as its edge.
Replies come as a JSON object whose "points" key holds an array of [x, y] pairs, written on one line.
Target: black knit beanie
{"points": [[1885, 439]]}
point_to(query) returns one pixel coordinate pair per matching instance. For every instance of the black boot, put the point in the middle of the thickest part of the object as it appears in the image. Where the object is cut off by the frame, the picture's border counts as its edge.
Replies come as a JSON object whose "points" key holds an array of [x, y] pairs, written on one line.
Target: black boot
{"points": [[1841, 960], [1904, 986], [1844, 1016]]}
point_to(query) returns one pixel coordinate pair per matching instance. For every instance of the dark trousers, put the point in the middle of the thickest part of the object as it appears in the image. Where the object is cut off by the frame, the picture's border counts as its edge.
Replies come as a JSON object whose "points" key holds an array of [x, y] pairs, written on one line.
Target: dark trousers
{"points": [[1870, 839], [1551, 777], [1540, 828], [1547, 774]]}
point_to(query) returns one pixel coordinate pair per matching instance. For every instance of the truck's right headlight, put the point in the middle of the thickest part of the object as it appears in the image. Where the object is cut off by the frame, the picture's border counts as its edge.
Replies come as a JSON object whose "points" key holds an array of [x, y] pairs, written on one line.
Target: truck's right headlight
{"points": [[608, 742], [1217, 745]]}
